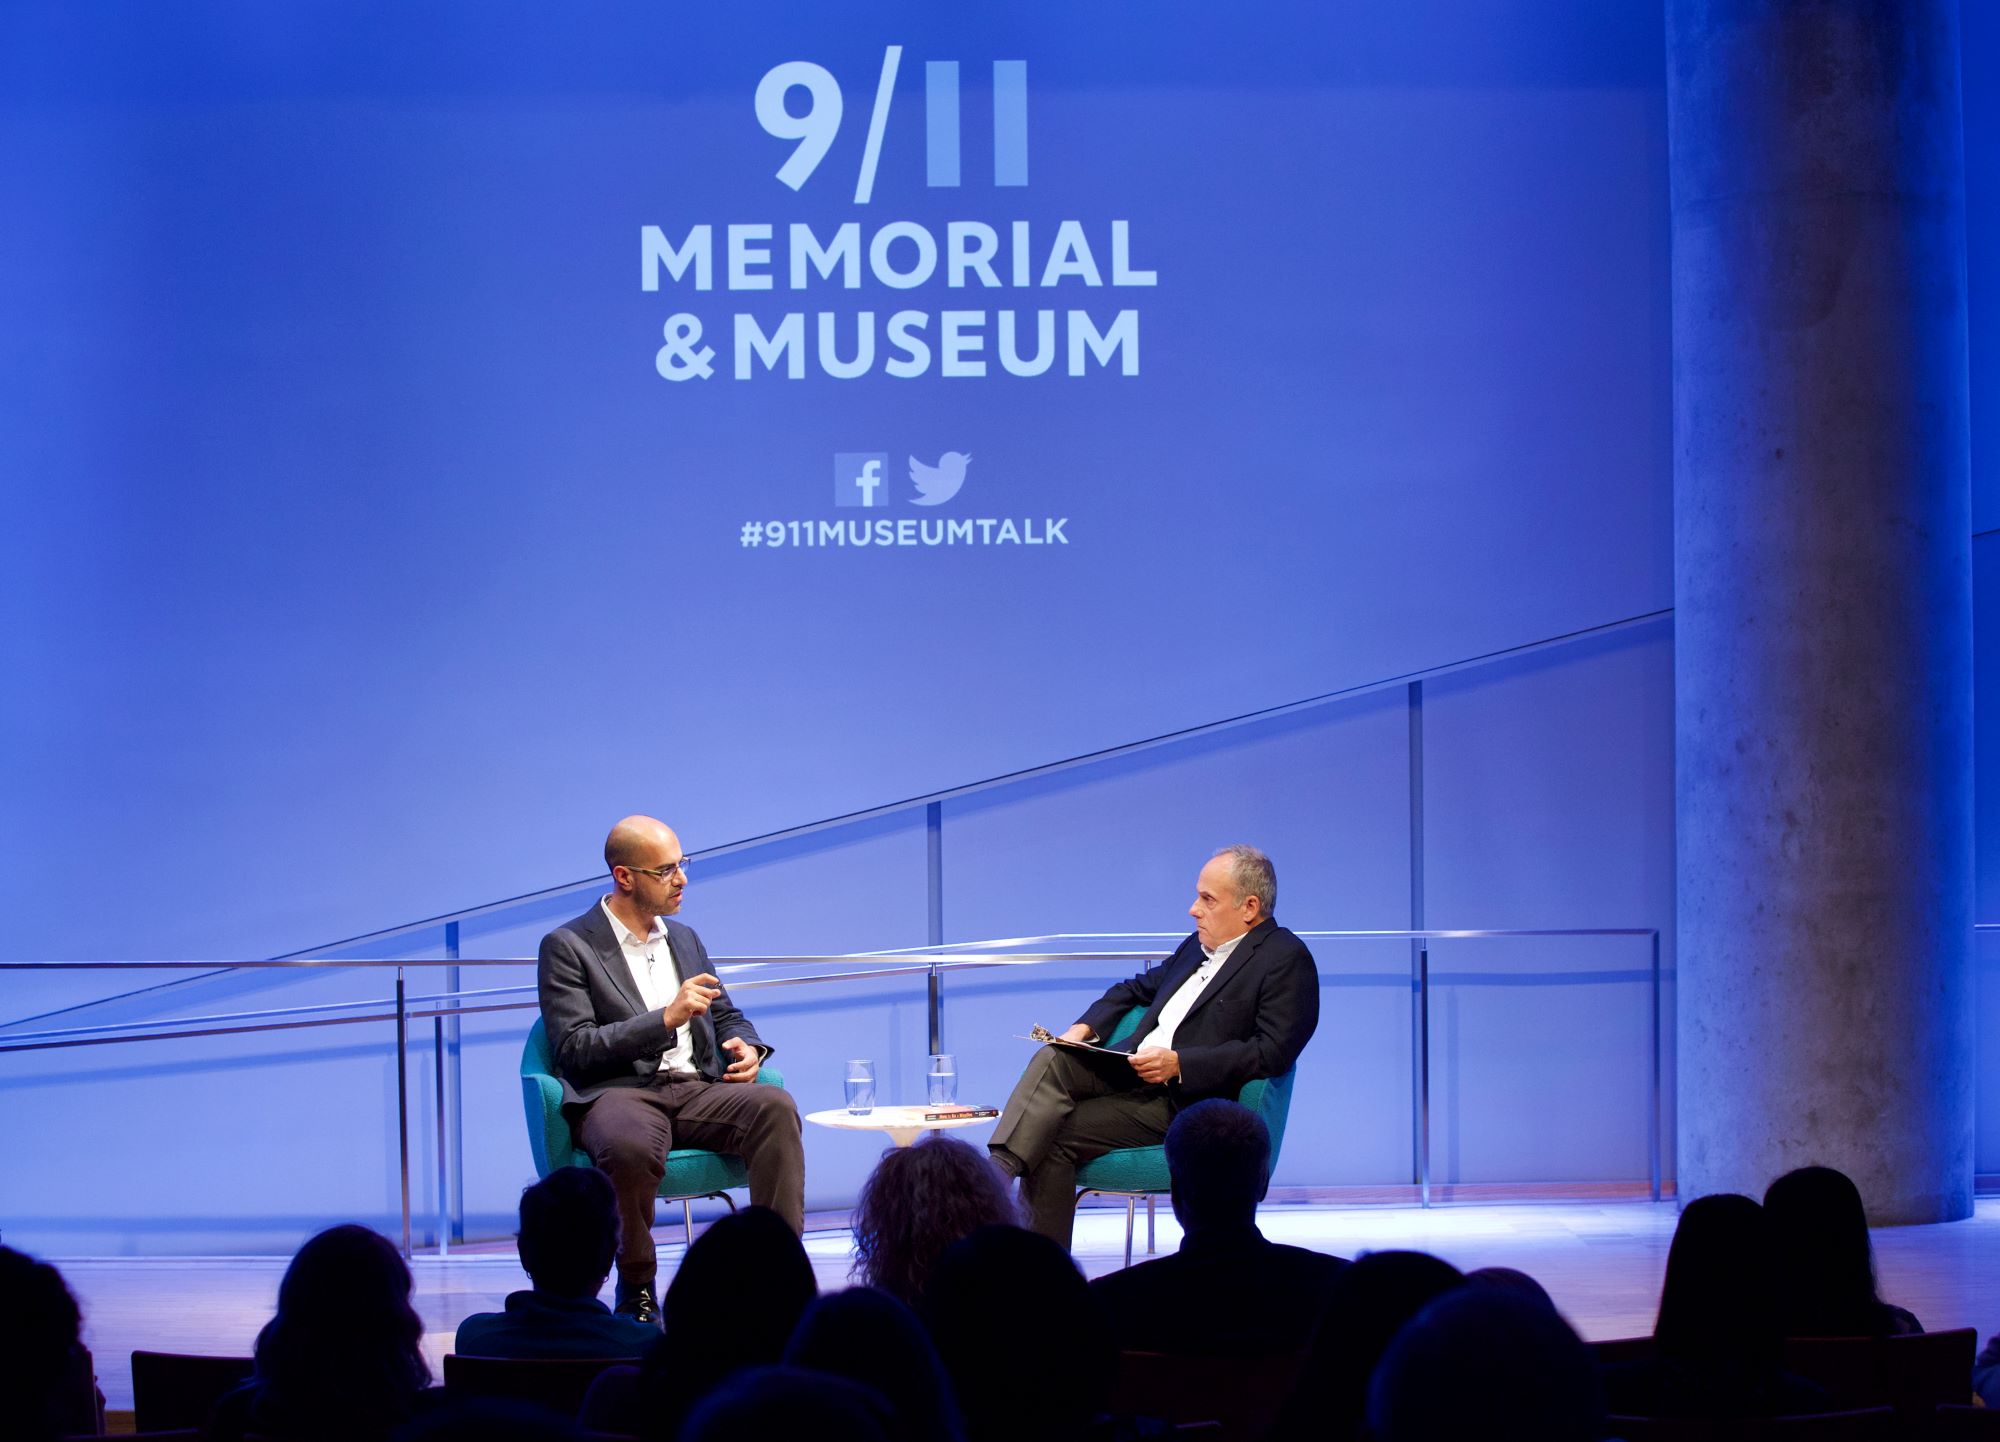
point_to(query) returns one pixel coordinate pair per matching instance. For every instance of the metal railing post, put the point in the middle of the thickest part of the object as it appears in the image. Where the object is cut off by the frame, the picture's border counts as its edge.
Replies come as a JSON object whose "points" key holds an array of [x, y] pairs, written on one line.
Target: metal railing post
{"points": [[1423, 1076], [934, 885], [444, 1037], [1655, 1124], [403, 1100]]}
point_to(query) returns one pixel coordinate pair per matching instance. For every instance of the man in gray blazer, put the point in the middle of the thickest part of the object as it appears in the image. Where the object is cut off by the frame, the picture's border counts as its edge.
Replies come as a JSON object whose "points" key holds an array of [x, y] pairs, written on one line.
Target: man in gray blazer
{"points": [[1237, 1000], [652, 1054]]}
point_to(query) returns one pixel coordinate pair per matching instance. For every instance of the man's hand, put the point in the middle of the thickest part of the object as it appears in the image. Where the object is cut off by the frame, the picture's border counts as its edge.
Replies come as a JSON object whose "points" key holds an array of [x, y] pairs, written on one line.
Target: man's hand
{"points": [[1156, 1064], [744, 1068], [1079, 1032], [693, 999]]}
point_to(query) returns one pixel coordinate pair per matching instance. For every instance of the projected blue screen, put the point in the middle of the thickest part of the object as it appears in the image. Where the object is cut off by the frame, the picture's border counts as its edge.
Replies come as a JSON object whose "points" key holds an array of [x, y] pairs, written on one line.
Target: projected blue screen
{"points": [[434, 431]]}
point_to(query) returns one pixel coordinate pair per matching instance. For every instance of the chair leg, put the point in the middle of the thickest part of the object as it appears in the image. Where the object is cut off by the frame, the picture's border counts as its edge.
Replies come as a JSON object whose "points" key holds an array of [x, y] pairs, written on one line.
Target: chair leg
{"points": [[1149, 1223], [687, 1220], [1131, 1212]]}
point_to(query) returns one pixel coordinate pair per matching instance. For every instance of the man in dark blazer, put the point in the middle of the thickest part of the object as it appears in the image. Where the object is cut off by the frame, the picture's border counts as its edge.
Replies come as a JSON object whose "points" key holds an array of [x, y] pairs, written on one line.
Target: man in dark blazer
{"points": [[1193, 1302], [653, 1055], [1238, 1000]]}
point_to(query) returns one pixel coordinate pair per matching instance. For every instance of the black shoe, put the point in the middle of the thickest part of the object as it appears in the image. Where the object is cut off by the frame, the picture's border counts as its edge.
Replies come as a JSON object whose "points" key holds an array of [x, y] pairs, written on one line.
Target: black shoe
{"points": [[638, 1304]]}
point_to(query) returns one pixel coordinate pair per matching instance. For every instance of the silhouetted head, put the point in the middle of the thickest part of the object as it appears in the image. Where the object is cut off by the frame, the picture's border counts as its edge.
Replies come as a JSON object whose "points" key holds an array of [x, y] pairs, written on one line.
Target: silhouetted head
{"points": [[1506, 1279], [343, 1355], [918, 1201], [733, 1302], [1219, 1157], [869, 1337], [569, 1231], [1006, 1305], [1489, 1362], [1824, 1262], [1367, 1304], [1717, 1304], [777, 1404], [39, 1328]]}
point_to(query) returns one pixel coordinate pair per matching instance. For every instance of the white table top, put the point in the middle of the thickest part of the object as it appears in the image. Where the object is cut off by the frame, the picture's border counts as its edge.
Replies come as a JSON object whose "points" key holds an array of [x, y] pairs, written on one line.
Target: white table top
{"points": [[901, 1123]]}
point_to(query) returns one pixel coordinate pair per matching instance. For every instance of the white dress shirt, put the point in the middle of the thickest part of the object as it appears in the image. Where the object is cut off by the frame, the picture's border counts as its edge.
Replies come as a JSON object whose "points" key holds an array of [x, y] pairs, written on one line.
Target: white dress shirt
{"points": [[650, 959], [1183, 1000]]}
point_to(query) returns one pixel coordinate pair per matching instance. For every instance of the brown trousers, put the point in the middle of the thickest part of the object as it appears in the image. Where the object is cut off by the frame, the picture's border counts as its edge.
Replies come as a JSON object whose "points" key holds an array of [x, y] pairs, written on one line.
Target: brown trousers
{"points": [[628, 1131], [1066, 1109]]}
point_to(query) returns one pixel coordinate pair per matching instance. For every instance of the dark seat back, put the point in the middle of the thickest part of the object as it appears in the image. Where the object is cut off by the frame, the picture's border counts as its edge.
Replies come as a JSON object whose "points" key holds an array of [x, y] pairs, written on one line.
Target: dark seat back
{"points": [[1241, 1395], [1874, 1424], [171, 1390], [1966, 1424], [1619, 1350], [1915, 1375], [557, 1383]]}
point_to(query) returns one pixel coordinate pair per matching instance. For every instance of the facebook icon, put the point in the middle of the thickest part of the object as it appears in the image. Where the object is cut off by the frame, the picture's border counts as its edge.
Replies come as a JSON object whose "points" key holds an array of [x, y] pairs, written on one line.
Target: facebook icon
{"points": [[860, 479]]}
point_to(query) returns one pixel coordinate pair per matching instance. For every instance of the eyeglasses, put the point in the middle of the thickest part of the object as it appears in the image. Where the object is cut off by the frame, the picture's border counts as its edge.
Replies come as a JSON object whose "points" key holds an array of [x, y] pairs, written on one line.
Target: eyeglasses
{"points": [[663, 872]]}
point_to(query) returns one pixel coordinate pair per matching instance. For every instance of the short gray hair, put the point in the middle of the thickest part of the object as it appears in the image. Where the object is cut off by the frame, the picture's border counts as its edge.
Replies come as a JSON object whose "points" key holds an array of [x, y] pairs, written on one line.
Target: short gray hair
{"points": [[1253, 874]]}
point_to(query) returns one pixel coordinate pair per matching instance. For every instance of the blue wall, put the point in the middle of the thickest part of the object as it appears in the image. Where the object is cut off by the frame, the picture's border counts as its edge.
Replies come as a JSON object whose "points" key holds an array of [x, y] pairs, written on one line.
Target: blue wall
{"points": [[358, 566]]}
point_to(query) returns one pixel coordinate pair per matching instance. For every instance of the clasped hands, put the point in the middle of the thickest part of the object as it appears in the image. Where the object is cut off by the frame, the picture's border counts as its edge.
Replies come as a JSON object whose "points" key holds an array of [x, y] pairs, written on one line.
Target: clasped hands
{"points": [[694, 998], [1154, 1064]]}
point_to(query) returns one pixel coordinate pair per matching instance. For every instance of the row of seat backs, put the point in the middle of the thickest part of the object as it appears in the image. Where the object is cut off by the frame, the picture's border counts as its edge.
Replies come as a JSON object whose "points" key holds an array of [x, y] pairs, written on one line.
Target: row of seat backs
{"points": [[1872, 1424], [1913, 1374], [174, 1391], [1238, 1395]]}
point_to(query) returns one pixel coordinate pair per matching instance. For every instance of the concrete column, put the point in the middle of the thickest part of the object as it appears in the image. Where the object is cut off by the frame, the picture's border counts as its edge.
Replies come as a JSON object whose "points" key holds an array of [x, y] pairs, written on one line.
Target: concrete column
{"points": [[1822, 581]]}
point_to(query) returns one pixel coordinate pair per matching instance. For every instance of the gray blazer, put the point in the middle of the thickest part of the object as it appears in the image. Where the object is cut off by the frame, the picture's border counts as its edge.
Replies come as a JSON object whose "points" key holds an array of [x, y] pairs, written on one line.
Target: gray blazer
{"points": [[601, 1033]]}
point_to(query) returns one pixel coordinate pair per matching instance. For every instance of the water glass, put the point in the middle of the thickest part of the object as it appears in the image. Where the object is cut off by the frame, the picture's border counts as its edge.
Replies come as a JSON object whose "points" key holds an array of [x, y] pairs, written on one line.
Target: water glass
{"points": [[860, 1087], [943, 1079]]}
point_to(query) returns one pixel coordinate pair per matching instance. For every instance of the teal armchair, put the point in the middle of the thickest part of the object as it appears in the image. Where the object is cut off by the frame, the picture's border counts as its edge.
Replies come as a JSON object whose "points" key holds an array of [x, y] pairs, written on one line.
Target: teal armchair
{"points": [[692, 1174], [1135, 1172]]}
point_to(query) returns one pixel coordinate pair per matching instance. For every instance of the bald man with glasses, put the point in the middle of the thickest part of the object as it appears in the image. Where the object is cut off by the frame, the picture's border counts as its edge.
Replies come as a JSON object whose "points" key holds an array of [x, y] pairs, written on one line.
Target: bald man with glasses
{"points": [[652, 1054]]}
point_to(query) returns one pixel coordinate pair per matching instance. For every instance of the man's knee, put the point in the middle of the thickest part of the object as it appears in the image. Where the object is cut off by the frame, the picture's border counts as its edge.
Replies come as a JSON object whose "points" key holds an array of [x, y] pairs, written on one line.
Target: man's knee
{"points": [[626, 1156], [776, 1109]]}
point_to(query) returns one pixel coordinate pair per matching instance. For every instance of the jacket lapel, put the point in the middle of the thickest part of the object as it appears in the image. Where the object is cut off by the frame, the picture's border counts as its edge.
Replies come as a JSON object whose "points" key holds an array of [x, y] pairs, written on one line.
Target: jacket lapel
{"points": [[1183, 964], [1237, 960], [611, 956], [701, 1029]]}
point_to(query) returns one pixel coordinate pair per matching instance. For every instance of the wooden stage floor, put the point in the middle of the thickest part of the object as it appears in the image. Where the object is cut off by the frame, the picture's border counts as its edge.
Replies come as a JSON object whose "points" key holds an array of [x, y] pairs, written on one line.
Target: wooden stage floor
{"points": [[1602, 1262]]}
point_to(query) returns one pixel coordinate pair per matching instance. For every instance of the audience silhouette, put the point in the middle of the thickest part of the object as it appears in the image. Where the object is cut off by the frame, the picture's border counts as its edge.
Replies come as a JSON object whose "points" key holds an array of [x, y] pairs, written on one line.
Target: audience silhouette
{"points": [[341, 1360], [567, 1241], [1718, 1338], [1825, 1263], [1399, 1346], [1367, 1304], [1487, 1361], [46, 1387], [872, 1338], [1218, 1159], [918, 1201], [487, 1419], [1021, 1337], [732, 1304], [789, 1404]]}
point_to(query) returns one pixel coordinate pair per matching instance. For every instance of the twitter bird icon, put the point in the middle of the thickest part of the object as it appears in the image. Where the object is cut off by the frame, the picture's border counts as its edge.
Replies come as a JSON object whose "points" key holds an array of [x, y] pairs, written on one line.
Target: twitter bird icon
{"points": [[939, 483]]}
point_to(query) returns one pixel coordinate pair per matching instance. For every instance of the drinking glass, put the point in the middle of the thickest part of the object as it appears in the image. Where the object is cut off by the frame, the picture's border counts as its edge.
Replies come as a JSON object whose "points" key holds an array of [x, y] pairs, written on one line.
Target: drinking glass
{"points": [[943, 1079], [861, 1087]]}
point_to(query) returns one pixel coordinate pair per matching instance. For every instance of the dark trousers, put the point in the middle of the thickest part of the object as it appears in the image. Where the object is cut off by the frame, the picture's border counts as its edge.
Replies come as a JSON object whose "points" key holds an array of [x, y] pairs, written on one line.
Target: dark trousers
{"points": [[1067, 1108], [629, 1130]]}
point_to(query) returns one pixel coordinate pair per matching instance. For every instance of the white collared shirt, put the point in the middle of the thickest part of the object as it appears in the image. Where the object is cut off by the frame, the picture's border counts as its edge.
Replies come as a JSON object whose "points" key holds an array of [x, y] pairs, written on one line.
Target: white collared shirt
{"points": [[1184, 997], [650, 959]]}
